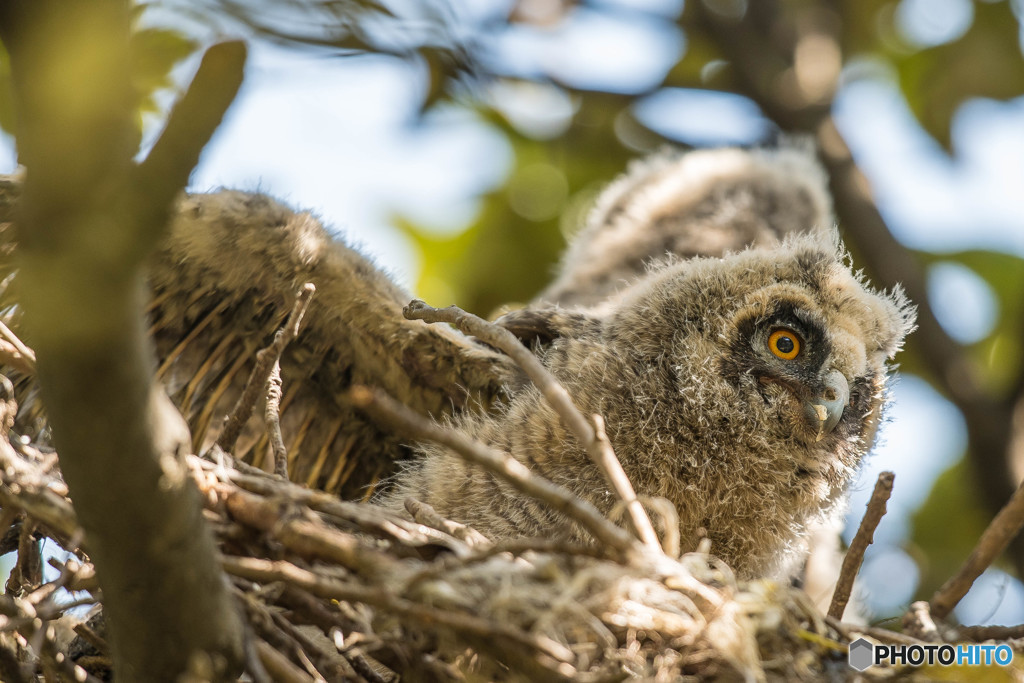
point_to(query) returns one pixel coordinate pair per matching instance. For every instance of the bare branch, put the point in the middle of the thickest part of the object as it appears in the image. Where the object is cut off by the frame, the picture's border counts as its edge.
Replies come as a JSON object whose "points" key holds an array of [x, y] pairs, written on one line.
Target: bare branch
{"points": [[861, 540], [189, 127], [267, 571], [266, 358], [982, 633], [425, 514], [500, 464], [272, 416], [589, 432], [993, 541], [22, 357], [309, 538], [918, 622], [279, 667]]}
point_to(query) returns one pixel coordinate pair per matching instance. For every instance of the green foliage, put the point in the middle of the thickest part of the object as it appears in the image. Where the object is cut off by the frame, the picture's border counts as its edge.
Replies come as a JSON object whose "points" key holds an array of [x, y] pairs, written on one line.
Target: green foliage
{"points": [[509, 252], [946, 527], [985, 62], [155, 52], [1000, 355]]}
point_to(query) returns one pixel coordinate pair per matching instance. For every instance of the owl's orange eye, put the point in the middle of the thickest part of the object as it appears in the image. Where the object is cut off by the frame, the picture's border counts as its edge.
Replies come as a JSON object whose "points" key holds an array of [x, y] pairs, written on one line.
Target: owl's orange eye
{"points": [[785, 344]]}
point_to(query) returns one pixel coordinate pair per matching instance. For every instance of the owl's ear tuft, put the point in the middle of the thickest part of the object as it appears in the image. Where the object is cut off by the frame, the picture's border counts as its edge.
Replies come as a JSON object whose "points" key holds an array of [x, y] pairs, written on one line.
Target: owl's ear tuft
{"points": [[542, 326]]}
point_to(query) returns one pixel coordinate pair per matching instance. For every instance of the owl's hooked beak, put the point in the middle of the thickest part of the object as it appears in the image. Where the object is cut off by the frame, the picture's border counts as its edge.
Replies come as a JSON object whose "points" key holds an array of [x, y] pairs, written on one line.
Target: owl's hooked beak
{"points": [[823, 411]]}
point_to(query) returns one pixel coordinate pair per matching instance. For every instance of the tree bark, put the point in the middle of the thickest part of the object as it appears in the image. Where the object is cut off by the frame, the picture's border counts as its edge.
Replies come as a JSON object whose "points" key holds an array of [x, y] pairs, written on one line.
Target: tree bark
{"points": [[87, 218]]}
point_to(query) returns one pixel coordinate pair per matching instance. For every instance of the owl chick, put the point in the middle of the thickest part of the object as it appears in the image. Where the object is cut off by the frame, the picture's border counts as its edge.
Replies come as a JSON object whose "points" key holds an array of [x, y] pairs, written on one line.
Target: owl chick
{"points": [[699, 203], [745, 390]]}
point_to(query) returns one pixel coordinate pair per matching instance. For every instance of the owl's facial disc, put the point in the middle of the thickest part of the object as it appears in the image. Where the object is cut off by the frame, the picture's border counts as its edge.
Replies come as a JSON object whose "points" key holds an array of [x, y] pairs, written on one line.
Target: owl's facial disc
{"points": [[823, 411]]}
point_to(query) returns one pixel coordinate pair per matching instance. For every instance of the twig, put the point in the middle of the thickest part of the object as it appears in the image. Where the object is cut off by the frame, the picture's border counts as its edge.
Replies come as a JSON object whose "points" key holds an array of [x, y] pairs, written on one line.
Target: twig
{"points": [[42, 505], [862, 539], [27, 573], [19, 355], [589, 432], [68, 571], [310, 539], [253, 663], [272, 416], [982, 633], [265, 360], [280, 667], [267, 571], [501, 464], [993, 541], [190, 125], [96, 640], [427, 515], [918, 622], [847, 631]]}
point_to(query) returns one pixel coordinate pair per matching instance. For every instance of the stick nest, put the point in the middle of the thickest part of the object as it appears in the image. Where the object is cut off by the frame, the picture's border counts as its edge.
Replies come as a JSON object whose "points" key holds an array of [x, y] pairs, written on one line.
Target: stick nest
{"points": [[335, 590], [338, 590]]}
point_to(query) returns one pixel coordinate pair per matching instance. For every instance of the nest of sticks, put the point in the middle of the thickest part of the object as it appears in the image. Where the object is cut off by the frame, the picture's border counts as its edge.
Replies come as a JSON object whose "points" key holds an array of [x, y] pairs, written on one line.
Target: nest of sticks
{"points": [[336, 590]]}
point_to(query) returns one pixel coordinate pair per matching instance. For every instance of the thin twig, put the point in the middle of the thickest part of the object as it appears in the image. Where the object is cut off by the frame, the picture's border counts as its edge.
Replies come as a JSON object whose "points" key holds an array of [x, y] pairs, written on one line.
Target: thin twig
{"points": [[501, 464], [918, 622], [272, 416], [993, 541], [981, 633], [20, 354], [847, 631], [589, 432], [279, 667], [265, 360], [267, 571], [864, 537], [90, 636], [427, 515], [310, 538]]}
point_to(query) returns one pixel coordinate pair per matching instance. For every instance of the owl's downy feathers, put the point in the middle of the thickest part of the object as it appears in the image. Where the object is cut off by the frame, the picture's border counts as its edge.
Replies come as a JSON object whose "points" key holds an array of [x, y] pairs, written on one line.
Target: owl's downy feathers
{"points": [[744, 388]]}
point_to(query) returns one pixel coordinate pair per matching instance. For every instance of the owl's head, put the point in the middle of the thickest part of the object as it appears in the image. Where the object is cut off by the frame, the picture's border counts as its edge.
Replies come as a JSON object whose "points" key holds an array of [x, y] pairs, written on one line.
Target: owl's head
{"points": [[789, 327]]}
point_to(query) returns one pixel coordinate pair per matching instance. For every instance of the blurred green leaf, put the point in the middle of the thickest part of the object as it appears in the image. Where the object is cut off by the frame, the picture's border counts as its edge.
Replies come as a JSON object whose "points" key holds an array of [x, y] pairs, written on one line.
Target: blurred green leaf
{"points": [[999, 355], [868, 26], [946, 527], [693, 71], [155, 52], [985, 62]]}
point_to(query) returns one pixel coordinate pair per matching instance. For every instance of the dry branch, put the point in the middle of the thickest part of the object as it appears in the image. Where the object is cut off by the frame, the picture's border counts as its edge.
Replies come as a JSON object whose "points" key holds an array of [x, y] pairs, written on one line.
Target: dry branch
{"points": [[589, 432], [272, 416], [18, 354], [918, 622], [862, 539], [993, 541], [348, 596], [266, 360], [87, 219]]}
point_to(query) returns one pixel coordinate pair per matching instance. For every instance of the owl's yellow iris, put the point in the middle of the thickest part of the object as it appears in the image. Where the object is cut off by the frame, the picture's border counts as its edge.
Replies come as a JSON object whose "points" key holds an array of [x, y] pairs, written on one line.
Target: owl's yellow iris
{"points": [[785, 344]]}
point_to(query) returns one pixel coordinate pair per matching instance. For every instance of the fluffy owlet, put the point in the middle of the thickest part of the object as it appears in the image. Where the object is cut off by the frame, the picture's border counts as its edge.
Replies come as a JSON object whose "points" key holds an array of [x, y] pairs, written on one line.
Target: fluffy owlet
{"points": [[745, 389], [706, 310]]}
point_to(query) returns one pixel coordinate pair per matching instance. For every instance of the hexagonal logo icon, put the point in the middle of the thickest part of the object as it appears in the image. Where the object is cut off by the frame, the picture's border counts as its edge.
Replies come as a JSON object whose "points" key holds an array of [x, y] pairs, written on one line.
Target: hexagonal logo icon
{"points": [[862, 654]]}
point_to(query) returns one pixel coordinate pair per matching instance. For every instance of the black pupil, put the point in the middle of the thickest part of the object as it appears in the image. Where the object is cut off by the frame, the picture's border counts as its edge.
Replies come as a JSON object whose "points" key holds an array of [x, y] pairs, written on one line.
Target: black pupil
{"points": [[784, 344]]}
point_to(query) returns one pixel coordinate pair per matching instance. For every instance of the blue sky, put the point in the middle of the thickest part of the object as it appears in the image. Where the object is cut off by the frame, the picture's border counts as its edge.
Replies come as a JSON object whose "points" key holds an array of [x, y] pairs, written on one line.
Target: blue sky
{"points": [[340, 137]]}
